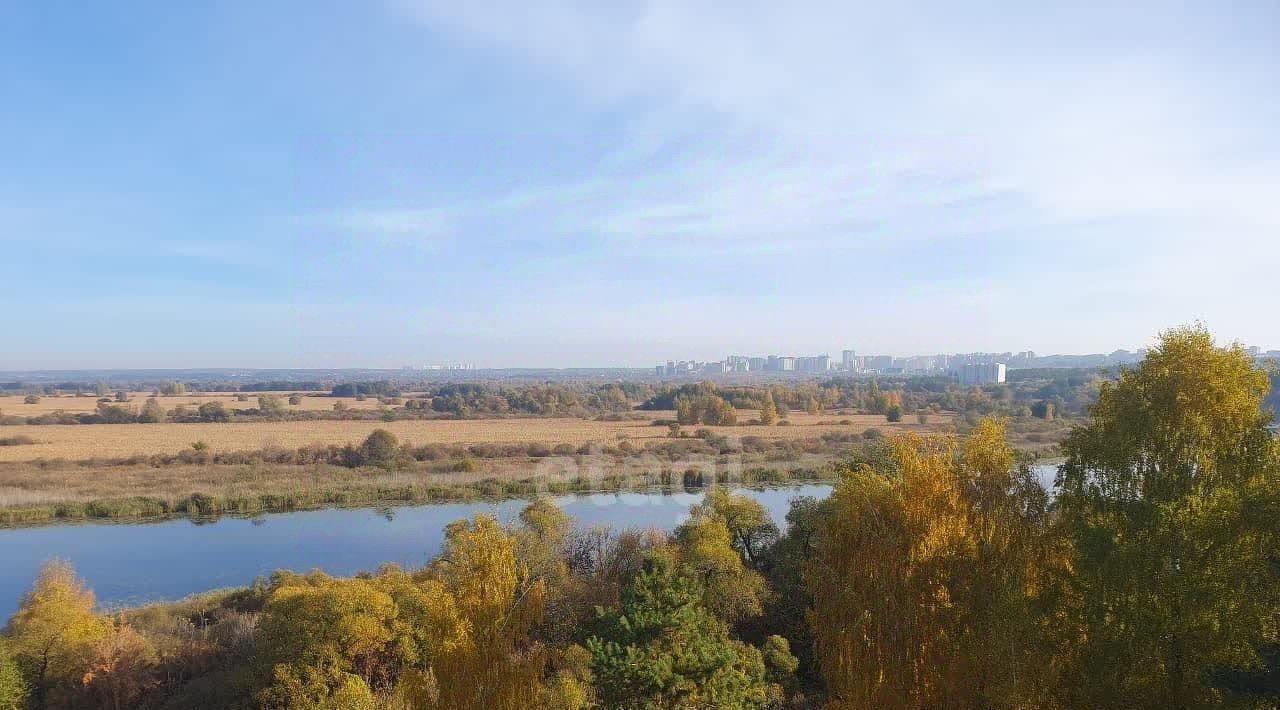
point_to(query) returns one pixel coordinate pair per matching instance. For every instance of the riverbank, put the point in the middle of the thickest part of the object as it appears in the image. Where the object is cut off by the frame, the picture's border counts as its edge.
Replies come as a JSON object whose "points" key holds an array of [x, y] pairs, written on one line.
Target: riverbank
{"points": [[280, 490], [203, 481]]}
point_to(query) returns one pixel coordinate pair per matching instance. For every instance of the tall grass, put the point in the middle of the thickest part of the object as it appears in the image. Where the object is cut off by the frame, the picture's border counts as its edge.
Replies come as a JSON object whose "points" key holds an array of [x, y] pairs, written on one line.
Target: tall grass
{"points": [[18, 512]]}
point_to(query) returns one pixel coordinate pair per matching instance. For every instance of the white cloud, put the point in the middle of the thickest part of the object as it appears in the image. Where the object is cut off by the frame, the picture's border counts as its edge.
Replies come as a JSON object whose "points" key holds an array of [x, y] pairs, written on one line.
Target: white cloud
{"points": [[827, 118], [419, 229], [1125, 149]]}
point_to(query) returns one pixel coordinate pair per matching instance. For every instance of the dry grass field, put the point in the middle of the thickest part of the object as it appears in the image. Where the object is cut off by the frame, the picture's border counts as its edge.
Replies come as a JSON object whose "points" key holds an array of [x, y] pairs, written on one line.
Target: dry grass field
{"points": [[13, 404], [87, 441]]}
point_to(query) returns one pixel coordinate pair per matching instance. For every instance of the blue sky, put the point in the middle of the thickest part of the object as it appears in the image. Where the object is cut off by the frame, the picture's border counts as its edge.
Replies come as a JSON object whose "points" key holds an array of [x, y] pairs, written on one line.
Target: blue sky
{"points": [[582, 183]]}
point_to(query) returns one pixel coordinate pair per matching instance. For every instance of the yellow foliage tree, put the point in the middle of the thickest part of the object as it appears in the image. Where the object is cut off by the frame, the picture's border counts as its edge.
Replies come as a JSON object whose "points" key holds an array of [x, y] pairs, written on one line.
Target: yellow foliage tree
{"points": [[54, 632], [768, 410], [1171, 496], [732, 592], [492, 664], [453, 636], [923, 582], [320, 635]]}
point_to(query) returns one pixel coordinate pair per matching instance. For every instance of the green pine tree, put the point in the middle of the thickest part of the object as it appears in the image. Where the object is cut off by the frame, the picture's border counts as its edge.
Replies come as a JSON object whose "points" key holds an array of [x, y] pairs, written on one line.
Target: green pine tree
{"points": [[662, 649]]}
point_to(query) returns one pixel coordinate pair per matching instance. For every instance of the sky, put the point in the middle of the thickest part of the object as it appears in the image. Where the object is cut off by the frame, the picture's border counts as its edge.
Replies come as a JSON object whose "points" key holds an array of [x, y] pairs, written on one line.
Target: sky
{"points": [[562, 183]]}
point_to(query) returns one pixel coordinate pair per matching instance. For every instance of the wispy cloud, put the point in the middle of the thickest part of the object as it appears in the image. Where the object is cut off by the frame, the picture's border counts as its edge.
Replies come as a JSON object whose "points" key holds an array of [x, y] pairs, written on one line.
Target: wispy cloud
{"points": [[545, 177], [826, 122], [425, 223]]}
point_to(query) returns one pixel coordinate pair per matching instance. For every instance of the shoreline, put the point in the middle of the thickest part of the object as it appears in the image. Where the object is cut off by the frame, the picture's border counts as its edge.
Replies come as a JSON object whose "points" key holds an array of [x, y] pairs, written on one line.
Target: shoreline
{"points": [[198, 506]]}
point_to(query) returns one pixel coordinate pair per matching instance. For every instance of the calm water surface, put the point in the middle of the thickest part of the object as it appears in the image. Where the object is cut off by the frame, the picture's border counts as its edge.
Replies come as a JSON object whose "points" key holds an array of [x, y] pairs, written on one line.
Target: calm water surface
{"points": [[135, 563]]}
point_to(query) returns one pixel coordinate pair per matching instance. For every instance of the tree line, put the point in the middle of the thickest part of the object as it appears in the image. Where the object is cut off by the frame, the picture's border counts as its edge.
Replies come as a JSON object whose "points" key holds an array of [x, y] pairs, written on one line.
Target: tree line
{"points": [[1041, 394], [941, 575]]}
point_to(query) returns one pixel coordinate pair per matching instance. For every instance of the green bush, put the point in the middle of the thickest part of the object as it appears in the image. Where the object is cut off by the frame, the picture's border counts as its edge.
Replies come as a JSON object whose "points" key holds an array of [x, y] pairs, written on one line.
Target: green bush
{"points": [[380, 448]]}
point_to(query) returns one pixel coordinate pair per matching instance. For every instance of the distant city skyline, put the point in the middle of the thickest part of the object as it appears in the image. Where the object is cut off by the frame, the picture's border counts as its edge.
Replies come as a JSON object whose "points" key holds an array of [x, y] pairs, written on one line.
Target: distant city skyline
{"points": [[427, 366]]}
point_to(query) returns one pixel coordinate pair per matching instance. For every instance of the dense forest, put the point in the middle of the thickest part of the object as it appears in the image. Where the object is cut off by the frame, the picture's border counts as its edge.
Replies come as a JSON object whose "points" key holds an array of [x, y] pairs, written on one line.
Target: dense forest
{"points": [[941, 575]]}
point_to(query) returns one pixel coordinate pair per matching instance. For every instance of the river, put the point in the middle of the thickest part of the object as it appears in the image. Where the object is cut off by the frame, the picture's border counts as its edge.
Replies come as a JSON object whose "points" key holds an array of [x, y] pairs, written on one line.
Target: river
{"points": [[128, 564]]}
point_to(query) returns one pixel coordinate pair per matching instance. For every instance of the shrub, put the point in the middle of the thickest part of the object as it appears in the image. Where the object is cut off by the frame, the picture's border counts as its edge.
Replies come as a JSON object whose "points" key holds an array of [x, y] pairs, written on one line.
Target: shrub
{"points": [[19, 440], [270, 405], [31, 399], [116, 414], [295, 399], [213, 412], [893, 413], [693, 478], [380, 448]]}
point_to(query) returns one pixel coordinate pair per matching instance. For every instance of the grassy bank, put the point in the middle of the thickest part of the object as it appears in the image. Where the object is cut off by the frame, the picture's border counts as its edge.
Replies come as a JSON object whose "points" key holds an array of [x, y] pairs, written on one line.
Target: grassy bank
{"points": [[203, 505], [274, 480], [201, 482]]}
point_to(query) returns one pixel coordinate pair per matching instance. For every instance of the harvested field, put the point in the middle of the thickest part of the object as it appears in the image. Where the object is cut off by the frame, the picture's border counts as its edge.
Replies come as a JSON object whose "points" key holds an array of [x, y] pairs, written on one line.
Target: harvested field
{"points": [[13, 404], [89, 441]]}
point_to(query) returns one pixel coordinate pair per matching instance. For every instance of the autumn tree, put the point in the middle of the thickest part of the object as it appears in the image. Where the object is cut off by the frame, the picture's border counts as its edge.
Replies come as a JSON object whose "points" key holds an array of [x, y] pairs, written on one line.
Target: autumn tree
{"points": [[493, 665], [270, 405], [213, 412], [1170, 495], [768, 410], [380, 448], [303, 687], [751, 529], [686, 412], [13, 687], [319, 636], [732, 591], [54, 632], [152, 412], [121, 668], [705, 409], [877, 402], [923, 579], [541, 540]]}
